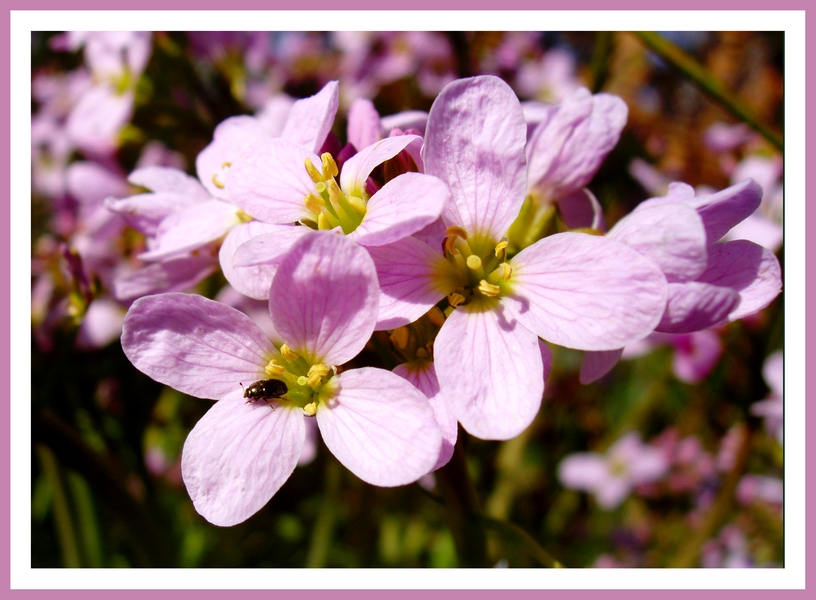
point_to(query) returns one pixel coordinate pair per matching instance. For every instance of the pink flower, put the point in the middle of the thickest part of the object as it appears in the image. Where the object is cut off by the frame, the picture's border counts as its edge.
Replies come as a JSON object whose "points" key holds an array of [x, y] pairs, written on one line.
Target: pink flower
{"points": [[611, 477], [323, 302], [772, 408], [571, 289]]}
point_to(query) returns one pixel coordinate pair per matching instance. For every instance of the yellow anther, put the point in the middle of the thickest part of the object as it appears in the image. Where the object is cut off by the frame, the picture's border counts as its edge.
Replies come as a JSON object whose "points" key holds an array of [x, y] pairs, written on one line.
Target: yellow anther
{"points": [[357, 204], [314, 203], [316, 373], [450, 245], [273, 369], [316, 176], [329, 166], [323, 222], [500, 247], [436, 316], [303, 380], [226, 164], [287, 353], [505, 271], [334, 191], [474, 262], [422, 353], [455, 299], [400, 337], [243, 217], [310, 409], [488, 289], [455, 230], [217, 183]]}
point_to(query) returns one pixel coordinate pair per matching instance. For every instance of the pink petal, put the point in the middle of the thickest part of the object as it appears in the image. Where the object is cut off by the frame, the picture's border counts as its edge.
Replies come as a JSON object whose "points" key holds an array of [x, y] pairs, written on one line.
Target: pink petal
{"points": [[583, 471], [191, 228], [597, 364], [748, 268], [270, 246], [172, 275], [586, 292], [270, 183], [475, 143], [409, 119], [671, 235], [230, 139], [363, 123], [581, 209], [144, 212], [696, 305], [380, 427], [490, 372], [422, 376], [251, 280], [324, 298], [357, 169], [196, 346], [400, 208], [310, 119], [413, 277], [723, 210], [239, 455], [694, 360]]}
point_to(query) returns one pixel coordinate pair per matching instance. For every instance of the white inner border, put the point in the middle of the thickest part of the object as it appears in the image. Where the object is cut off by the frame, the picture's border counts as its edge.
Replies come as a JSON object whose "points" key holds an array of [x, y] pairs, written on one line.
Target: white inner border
{"points": [[791, 577]]}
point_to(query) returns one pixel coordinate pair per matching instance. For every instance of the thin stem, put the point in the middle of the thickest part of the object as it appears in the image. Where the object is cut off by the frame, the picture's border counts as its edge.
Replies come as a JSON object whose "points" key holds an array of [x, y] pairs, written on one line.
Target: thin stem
{"points": [[525, 540], [707, 82], [322, 533]]}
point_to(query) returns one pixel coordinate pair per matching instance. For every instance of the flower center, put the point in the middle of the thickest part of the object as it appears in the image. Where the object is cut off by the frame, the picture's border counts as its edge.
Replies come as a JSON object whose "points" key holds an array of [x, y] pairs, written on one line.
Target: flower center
{"points": [[481, 264], [329, 205], [308, 384]]}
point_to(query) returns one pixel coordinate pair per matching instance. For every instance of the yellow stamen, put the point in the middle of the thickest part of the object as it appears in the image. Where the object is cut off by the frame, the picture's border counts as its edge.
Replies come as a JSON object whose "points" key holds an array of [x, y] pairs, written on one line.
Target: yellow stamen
{"points": [[316, 176], [400, 337], [500, 247], [303, 380], [314, 203], [316, 373], [217, 183], [455, 230], [243, 217], [488, 289], [310, 409], [474, 262], [436, 316], [273, 369], [358, 204], [323, 222], [329, 166], [455, 299], [505, 271], [422, 353], [287, 353]]}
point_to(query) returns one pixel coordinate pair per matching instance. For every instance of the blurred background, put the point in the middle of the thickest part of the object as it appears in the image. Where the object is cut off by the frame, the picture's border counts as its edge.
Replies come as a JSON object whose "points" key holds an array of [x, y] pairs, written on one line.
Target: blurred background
{"points": [[705, 108]]}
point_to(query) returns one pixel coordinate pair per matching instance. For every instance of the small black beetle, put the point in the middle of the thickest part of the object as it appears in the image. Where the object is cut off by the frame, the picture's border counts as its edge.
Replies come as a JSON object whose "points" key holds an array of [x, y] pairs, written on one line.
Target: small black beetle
{"points": [[265, 389]]}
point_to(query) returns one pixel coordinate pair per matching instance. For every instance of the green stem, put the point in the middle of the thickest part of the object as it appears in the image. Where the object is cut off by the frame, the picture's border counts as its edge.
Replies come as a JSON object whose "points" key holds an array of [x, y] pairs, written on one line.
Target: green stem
{"points": [[69, 545], [462, 507], [322, 533], [524, 539], [708, 83]]}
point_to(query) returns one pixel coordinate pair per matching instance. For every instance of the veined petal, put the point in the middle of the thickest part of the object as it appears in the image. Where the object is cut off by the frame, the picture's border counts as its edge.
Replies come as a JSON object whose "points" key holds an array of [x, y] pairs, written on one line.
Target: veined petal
{"points": [[475, 143], [422, 375], [586, 292], [597, 364], [197, 346], [167, 179], [672, 236], [363, 123], [191, 228], [409, 119], [357, 169], [324, 298], [144, 212], [581, 209], [230, 139], [696, 305], [239, 455], [721, 211], [310, 119], [251, 280], [490, 371], [413, 277], [402, 207], [380, 427], [170, 275], [270, 183], [748, 268], [270, 246]]}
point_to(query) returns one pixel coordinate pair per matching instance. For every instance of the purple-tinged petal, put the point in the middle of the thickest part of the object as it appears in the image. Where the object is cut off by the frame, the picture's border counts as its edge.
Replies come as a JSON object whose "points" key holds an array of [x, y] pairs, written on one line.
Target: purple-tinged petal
{"points": [[409, 119], [270, 183], [357, 169], [546, 357], [101, 325], [400, 208], [239, 455], [583, 471], [567, 149], [191, 228], [96, 119], [613, 491], [760, 230], [309, 452], [672, 236], [597, 364], [363, 123], [324, 298], [310, 119], [581, 209], [721, 211], [90, 183], [490, 371], [269, 247], [475, 143], [433, 234], [750, 269], [773, 372], [250, 280], [274, 113], [230, 139], [196, 346], [166, 179], [695, 355], [380, 427], [586, 292], [678, 192], [167, 276], [422, 375], [144, 212], [413, 277], [696, 305]]}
